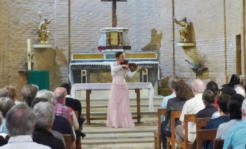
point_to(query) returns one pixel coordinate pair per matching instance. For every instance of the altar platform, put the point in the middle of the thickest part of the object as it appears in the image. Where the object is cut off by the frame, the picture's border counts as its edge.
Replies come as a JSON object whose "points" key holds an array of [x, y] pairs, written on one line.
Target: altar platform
{"points": [[95, 67]]}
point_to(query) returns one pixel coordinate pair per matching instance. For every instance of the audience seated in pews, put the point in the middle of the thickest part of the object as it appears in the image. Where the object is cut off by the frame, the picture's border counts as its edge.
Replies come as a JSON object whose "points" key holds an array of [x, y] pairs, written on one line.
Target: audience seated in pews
{"points": [[20, 122], [44, 111], [76, 106], [224, 117], [208, 98], [172, 86], [5, 105], [62, 110], [234, 107], [28, 93], [192, 106], [213, 86], [47, 94], [236, 135], [174, 104], [223, 110]]}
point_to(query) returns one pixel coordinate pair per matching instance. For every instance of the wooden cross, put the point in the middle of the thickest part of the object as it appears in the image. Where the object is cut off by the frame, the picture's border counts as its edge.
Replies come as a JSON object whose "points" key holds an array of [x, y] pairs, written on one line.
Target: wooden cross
{"points": [[114, 7]]}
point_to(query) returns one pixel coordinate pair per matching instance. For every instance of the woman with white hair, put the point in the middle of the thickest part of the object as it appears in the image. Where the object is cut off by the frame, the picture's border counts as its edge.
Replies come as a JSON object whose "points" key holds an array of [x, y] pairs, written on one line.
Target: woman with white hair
{"points": [[44, 111]]}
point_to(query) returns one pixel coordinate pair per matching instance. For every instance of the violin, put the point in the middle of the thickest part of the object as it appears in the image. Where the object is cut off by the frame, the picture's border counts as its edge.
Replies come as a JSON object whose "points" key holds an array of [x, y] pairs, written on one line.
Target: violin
{"points": [[133, 67]]}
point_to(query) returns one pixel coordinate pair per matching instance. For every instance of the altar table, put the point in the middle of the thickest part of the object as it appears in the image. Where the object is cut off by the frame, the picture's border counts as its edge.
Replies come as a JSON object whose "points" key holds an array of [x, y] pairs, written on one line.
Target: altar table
{"points": [[89, 87]]}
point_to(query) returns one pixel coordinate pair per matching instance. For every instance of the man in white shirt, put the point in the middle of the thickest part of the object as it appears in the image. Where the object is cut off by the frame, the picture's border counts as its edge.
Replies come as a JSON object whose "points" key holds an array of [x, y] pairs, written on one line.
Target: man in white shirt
{"points": [[192, 106], [20, 122]]}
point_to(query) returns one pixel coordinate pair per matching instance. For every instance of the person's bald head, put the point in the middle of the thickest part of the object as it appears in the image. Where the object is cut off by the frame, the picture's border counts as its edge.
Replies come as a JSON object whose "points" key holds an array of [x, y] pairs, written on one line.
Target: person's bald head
{"points": [[198, 86], [60, 94]]}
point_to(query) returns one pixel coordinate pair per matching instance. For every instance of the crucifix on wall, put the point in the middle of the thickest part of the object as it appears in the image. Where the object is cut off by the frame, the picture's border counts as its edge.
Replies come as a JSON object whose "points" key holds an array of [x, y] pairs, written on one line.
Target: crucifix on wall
{"points": [[114, 8]]}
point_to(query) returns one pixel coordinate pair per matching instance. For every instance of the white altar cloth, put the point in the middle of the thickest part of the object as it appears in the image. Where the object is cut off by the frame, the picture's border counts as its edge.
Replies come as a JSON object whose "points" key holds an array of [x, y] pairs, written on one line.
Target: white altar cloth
{"points": [[107, 86]]}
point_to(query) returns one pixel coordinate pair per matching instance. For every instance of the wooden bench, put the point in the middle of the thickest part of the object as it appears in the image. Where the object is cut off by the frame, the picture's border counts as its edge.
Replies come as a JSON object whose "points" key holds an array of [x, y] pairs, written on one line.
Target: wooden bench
{"points": [[68, 140], [186, 144], [171, 141], [205, 135], [218, 144], [157, 134], [78, 138]]}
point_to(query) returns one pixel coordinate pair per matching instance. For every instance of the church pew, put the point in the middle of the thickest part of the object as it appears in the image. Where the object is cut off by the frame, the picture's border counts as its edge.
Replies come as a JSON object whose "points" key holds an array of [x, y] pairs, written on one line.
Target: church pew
{"points": [[157, 134], [78, 138], [172, 141], [205, 135], [186, 144], [218, 144], [201, 122], [68, 141]]}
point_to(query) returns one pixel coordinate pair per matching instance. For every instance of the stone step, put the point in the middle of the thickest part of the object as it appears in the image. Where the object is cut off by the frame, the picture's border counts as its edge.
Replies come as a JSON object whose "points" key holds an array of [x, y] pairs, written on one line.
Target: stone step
{"points": [[120, 140], [141, 145], [96, 105], [104, 109], [133, 113], [131, 99]]}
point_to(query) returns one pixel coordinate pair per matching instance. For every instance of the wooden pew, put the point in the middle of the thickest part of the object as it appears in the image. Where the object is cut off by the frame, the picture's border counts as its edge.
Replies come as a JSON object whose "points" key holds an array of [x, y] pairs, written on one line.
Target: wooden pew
{"points": [[186, 144], [68, 140], [218, 144], [171, 141], [157, 134], [201, 122], [205, 135], [78, 138]]}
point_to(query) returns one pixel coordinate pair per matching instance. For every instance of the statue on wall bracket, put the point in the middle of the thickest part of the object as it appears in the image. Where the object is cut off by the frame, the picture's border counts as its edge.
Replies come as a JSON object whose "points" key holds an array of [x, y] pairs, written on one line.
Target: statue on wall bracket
{"points": [[185, 33], [43, 31]]}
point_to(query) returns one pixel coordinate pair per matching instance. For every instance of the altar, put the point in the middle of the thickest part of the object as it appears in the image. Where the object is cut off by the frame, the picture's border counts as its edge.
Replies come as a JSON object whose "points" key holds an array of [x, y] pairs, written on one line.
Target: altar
{"points": [[94, 67], [89, 87]]}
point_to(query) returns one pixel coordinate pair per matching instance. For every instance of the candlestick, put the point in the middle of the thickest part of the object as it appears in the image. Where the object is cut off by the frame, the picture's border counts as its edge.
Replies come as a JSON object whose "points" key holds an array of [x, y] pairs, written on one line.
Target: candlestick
{"points": [[29, 55]]}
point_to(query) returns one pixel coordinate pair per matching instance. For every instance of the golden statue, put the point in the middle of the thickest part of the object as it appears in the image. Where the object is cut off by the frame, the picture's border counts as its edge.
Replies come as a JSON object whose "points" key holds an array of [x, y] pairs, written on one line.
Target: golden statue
{"points": [[43, 31], [185, 35]]}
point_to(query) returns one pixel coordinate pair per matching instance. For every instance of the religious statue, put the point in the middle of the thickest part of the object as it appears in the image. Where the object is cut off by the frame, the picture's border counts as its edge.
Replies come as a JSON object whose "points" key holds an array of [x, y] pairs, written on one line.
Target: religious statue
{"points": [[43, 31], [185, 35]]}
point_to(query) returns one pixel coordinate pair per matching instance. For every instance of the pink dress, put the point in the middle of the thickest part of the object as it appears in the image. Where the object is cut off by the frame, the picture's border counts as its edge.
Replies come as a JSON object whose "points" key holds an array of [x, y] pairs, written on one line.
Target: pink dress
{"points": [[119, 111]]}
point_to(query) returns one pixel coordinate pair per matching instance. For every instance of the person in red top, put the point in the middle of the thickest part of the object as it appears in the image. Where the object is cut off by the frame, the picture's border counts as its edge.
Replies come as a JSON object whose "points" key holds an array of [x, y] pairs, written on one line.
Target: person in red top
{"points": [[59, 101]]}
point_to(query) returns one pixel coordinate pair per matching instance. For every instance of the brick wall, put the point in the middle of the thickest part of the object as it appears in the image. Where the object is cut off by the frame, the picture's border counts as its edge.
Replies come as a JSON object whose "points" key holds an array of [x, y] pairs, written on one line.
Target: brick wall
{"points": [[19, 20]]}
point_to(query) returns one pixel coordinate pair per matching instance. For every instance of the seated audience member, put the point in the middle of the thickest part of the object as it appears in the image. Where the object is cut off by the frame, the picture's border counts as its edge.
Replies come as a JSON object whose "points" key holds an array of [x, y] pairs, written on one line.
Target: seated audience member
{"points": [[76, 106], [20, 122], [42, 134], [224, 117], [208, 100], [240, 90], [234, 107], [236, 135], [213, 86], [28, 93], [39, 99], [165, 100], [62, 110], [191, 106], [223, 110], [4, 92], [235, 80], [5, 105], [175, 104], [56, 134], [46, 94]]}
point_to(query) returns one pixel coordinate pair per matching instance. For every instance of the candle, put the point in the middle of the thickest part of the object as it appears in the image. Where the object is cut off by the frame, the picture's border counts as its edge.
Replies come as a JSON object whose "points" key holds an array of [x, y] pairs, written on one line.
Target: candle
{"points": [[29, 54]]}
